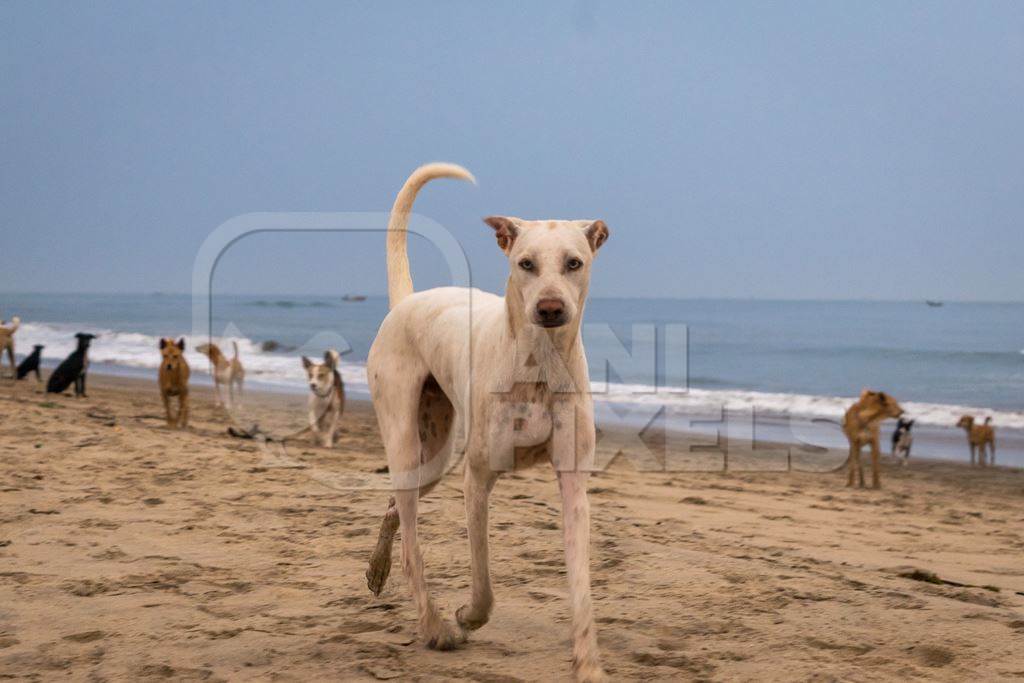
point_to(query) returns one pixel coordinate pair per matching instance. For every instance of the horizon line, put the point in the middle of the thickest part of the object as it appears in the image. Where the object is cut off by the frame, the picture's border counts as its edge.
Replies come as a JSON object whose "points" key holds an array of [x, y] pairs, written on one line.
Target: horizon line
{"points": [[336, 296]]}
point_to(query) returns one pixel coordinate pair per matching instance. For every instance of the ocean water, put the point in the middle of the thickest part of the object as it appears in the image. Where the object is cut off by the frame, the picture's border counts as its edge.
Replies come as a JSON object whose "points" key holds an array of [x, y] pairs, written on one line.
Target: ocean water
{"points": [[756, 362]]}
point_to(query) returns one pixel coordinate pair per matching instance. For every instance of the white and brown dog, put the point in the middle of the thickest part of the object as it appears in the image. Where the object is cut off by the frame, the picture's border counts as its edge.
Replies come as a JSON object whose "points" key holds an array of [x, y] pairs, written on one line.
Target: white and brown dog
{"points": [[326, 397], [902, 440], [225, 372], [506, 374], [7, 342]]}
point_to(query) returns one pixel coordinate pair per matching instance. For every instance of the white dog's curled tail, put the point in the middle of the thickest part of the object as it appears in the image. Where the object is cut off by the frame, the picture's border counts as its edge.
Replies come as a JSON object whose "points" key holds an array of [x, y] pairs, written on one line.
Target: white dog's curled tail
{"points": [[15, 324], [399, 277]]}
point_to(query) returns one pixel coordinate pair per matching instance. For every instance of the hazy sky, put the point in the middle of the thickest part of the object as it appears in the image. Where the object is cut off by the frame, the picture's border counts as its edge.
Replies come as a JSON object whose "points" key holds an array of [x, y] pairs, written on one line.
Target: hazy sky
{"points": [[782, 150]]}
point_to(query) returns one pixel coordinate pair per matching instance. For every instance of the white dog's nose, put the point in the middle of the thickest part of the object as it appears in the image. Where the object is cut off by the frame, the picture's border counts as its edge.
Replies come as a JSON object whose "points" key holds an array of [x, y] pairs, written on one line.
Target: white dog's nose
{"points": [[551, 312]]}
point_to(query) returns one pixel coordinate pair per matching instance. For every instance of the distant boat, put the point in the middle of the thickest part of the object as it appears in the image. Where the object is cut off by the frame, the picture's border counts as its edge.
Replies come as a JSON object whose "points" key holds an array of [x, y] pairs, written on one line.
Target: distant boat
{"points": [[934, 304], [354, 297]]}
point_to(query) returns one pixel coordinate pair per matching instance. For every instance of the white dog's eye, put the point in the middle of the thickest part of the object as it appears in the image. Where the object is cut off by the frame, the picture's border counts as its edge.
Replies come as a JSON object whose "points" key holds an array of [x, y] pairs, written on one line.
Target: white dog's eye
{"points": [[573, 264], [526, 264]]}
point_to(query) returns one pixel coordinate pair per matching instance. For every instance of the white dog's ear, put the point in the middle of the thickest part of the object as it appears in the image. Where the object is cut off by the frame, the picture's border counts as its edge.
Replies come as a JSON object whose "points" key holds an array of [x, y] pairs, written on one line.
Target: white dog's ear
{"points": [[306, 363], [331, 359], [597, 234], [505, 230]]}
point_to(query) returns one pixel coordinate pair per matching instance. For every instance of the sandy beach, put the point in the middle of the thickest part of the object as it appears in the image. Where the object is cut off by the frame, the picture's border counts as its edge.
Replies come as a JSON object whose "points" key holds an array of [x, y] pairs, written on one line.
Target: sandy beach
{"points": [[128, 550]]}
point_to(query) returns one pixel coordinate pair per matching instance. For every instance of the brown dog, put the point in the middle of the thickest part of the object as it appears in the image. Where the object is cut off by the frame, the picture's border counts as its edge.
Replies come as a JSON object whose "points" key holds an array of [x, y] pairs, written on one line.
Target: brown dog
{"points": [[861, 427], [174, 374], [978, 436], [228, 372], [7, 341]]}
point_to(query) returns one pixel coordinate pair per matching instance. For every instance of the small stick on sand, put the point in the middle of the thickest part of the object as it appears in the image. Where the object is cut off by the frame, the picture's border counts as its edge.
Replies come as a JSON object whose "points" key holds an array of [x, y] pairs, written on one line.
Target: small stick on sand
{"points": [[380, 562]]}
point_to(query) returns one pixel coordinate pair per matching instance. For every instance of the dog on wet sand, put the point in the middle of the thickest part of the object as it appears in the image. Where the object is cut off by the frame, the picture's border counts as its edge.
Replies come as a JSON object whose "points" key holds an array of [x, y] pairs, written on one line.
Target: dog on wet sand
{"points": [[505, 375], [72, 369], [173, 378], [861, 425], [326, 397], [902, 440], [30, 363], [7, 342], [225, 372], [978, 438]]}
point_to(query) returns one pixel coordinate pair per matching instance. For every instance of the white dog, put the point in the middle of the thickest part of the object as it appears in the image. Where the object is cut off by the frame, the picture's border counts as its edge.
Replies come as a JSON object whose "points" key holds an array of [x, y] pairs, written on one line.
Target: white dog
{"points": [[326, 397], [226, 372], [506, 374]]}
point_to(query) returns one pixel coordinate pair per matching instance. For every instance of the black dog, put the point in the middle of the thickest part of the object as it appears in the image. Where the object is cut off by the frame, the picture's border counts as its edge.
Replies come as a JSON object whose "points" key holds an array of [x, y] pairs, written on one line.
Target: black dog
{"points": [[31, 364], [902, 439], [73, 368]]}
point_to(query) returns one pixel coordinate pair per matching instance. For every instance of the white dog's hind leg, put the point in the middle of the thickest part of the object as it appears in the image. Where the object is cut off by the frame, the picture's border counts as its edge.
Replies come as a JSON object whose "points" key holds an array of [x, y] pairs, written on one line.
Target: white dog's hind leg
{"points": [[437, 445], [380, 561], [437, 633], [576, 523], [479, 481], [415, 467]]}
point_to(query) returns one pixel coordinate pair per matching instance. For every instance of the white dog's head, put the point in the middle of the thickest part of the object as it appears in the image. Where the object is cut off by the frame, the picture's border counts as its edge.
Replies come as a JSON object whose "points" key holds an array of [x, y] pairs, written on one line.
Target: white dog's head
{"points": [[549, 265]]}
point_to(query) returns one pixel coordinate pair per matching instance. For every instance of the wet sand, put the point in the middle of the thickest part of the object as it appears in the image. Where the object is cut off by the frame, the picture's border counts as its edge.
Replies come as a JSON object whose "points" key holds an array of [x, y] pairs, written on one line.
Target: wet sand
{"points": [[132, 551]]}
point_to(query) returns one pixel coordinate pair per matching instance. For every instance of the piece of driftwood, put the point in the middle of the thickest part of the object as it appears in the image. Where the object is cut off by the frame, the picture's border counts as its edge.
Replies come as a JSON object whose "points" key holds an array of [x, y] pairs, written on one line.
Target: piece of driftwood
{"points": [[256, 433]]}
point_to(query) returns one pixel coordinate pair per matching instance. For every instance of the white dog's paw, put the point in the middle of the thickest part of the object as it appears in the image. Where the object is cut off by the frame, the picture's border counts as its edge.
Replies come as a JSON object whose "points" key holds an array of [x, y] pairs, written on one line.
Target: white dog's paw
{"points": [[591, 673], [443, 636], [468, 621]]}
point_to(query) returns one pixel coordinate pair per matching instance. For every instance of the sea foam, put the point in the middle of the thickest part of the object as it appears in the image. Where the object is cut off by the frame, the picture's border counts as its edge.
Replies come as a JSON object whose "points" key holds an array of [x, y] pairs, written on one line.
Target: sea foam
{"points": [[134, 350]]}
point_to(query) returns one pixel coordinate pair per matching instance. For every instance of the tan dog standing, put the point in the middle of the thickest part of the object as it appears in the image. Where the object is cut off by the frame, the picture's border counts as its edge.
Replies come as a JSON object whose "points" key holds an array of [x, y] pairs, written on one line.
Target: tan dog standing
{"points": [[979, 436], [7, 342], [174, 374], [506, 374], [861, 428], [226, 372]]}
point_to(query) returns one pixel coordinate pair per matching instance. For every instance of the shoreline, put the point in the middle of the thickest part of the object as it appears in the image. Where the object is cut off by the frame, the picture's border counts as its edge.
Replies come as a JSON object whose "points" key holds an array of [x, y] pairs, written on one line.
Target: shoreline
{"points": [[771, 431], [129, 326]]}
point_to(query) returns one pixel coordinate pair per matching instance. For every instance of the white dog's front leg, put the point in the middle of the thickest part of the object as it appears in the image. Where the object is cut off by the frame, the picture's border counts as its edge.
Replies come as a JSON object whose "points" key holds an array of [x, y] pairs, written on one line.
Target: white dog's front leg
{"points": [[576, 522], [479, 481]]}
